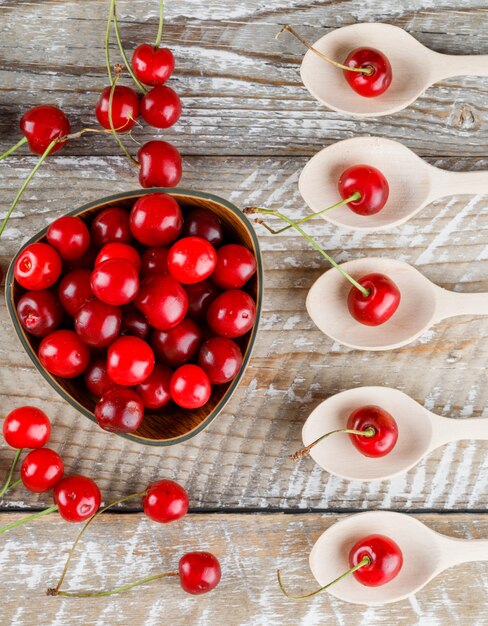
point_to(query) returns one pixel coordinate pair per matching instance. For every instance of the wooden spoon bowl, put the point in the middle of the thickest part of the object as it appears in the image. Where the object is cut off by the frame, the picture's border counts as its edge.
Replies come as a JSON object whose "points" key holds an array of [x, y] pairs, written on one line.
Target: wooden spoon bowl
{"points": [[170, 425]]}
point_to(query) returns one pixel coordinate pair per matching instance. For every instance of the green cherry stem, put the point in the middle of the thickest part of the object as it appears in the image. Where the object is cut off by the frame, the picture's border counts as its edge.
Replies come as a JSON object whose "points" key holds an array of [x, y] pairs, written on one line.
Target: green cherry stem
{"points": [[99, 594], [160, 27], [8, 482], [29, 518], [5, 154], [364, 561], [110, 120], [365, 70], [294, 225], [299, 454], [121, 48], [107, 44]]}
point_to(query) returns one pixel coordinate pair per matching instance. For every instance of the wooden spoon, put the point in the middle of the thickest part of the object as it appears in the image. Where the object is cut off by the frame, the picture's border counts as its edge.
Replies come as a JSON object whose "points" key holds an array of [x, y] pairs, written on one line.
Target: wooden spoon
{"points": [[422, 304], [426, 554], [413, 182], [414, 68], [419, 433]]}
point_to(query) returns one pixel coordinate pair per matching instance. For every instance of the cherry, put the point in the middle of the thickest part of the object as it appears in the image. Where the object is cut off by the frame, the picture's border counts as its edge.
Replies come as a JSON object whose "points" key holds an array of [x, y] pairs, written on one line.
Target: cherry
{"points": [[161, 107], [381, 422], [190, 387], [26, 427], [70, 236], [134, 323], [97, 380], [377, 80], [119, 410], [125, 108], [162, 300], [160, 164], [85, 262], [200, 295], [41, 125], [115, 281], [98, 324], [221, 359], [156, 219], [177, 345], [39, 312], [379, 305], [130, 360], [232, 314], [205, 224], [191, 260], [75, 290], [77, 498], [369, 183], [38, 266], [235, 266], [118, 250], [110, 225], [165, 501], [41, 470], [384, 557], [199, 572], [155, 390], [152, 66], [63, 354], [154, 261]]}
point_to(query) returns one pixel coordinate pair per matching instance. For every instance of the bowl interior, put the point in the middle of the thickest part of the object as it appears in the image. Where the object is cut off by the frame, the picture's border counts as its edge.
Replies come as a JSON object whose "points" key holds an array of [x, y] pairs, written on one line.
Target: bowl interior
{"points": [[172, 424]]}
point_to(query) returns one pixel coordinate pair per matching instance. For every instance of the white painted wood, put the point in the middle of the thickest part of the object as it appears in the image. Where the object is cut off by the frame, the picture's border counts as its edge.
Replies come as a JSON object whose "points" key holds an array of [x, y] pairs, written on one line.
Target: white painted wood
{"points": [[413, 182], [414, 68]]}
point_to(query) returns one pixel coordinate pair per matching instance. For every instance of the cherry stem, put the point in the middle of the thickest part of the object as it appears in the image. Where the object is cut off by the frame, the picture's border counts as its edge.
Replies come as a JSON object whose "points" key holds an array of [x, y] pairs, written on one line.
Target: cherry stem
{"points": [[13, 148], [29, 518], [98, 594], [160, 27], [110, 119], [364, 561], [361, 70], [55, 590], [299, 454], [121, 48], [107, 44], [294, 225], [8, 482]]}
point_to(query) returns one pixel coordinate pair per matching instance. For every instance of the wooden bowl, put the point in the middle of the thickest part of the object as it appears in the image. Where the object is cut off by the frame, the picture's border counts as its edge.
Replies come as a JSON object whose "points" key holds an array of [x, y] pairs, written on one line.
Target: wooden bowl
{"points": [[170, 425]]}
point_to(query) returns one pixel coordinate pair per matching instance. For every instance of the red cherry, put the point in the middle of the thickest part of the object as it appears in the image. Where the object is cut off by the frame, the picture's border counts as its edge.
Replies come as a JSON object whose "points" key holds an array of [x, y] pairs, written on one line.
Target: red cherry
{"points": [[368, 85], [155, 390], [39, 312], [385, 558], [191, 260], [98, 323], [41, 470], [162, 300], [119, 410], [85, 262], [156, 219], [235, 266], [161, 107], [77, 497], [199, 572], [125, 108], [232, 314], [190, 387], [200, 295], [381, 303], [221, 359], [26, 427], [160, 165], [111, 225], [75, 290], [385, 430], [63, 354], [177, 345], [367, 181], [97, 380], [41, 125], [134, 323], [152, 66], [165, 501], [115, 281], [130, 360], [205, 224], [70, 236], [119, 251], [38, 266], [154, 261]]}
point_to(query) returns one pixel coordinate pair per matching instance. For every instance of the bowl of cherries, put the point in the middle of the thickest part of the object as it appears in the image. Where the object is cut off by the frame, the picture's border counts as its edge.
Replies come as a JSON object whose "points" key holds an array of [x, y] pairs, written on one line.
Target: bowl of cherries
{"points": [[141, 309]]}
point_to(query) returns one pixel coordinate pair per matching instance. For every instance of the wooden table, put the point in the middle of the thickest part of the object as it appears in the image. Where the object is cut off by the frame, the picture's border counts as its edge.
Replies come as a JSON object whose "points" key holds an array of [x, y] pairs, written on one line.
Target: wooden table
{"points": [[248, 128]]}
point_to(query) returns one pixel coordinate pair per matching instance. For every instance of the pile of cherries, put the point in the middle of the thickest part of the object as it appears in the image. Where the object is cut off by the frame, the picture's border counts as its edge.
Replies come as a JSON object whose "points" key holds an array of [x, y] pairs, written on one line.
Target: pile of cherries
{"points": [[149, 305]]}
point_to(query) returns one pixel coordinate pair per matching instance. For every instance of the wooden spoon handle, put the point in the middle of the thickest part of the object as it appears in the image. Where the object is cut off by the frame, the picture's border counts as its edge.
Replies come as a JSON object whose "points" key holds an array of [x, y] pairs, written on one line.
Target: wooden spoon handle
{"points": [[451, 303], [457, 551], [454, 183], [448, 429], [447, 65]]}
